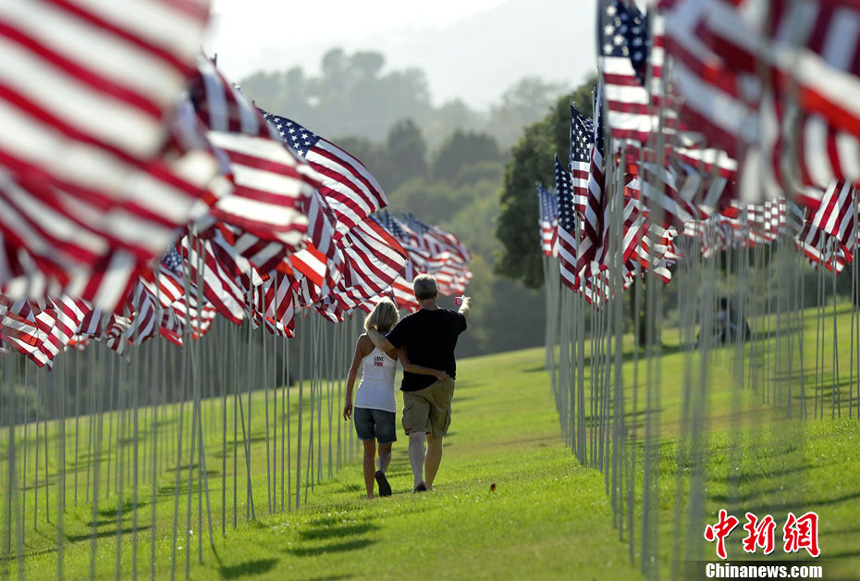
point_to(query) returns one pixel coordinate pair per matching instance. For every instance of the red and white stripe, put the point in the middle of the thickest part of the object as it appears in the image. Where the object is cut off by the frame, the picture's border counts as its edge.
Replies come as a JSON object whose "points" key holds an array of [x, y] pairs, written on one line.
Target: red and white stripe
{"points": [[269, 187]]}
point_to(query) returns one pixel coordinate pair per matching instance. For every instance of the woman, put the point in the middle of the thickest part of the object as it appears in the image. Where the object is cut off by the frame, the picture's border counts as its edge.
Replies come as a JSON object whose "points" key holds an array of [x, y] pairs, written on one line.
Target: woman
{"points": [[375, 405]]}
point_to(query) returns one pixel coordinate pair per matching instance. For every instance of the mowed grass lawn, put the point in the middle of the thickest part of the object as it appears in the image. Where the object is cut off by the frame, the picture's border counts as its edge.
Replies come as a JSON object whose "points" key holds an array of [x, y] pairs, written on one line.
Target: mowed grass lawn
{"points": [[548, 518]]}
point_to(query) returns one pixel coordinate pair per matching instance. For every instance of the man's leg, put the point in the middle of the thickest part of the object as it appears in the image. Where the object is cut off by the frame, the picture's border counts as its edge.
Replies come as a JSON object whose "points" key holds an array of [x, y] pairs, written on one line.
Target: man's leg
{"points": [[440, 419], [369, 469], [431, 463], [416, 457]]}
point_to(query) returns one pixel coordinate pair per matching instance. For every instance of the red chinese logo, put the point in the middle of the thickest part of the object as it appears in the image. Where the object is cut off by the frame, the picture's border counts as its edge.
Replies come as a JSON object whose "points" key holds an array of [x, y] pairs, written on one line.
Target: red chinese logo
{"points": [[801, 533], [719, 531], [798, 533], [759, 533]]}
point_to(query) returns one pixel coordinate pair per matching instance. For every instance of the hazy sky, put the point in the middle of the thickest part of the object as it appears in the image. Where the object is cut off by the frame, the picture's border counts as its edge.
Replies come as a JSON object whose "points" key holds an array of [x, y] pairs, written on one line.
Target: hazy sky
{"points": [[549, 38]]}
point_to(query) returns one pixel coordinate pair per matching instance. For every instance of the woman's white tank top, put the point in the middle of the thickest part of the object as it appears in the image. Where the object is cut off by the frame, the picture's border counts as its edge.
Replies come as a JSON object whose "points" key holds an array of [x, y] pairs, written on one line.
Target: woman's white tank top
{"points": [[376, 388]]}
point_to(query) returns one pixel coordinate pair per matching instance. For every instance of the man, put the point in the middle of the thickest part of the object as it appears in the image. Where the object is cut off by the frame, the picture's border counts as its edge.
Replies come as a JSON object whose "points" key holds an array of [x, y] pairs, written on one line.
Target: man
{"points": [[429, 336]]}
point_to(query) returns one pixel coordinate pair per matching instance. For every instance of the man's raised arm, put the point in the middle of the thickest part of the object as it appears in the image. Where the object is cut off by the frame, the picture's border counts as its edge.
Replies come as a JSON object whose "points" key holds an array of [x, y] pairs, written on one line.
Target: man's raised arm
{"points": [[465, 307], [379, 340]]}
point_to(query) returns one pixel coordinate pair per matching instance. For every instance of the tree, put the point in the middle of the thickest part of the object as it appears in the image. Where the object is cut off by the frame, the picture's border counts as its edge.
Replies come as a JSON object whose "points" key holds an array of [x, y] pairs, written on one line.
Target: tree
{"points": [[452, 116], [374, 156], [525, 102], [407, 152], [463, 149], [531, 162]]}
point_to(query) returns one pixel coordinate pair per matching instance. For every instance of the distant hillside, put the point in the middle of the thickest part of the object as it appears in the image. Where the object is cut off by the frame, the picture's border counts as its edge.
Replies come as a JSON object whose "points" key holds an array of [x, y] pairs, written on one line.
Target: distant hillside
{"points": [[476, 58]]}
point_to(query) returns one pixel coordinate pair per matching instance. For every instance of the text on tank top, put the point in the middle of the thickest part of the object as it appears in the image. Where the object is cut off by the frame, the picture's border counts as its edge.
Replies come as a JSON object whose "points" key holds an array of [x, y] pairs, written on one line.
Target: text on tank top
{"points": [[376, 388]]}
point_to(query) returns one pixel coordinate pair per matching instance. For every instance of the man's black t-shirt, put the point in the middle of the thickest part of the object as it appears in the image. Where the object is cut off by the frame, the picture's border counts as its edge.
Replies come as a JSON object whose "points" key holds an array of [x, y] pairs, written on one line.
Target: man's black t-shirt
{"points": [[430, 337]]}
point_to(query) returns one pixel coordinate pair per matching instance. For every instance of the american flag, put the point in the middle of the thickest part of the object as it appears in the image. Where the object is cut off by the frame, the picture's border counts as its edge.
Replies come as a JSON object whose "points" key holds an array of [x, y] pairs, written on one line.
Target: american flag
{"points": [[373, 258], [829, 233], [594, 235], [165, 282], [674, 198], [797, 41], [270, 185], [145, 320], [351, 191], [568, 226], [437, 241], [273, 305], [18, 329], [219, 283], [713, 101], [84, 127], [796, 104], [625, 50], [59, 319], [581, 143], [548, 221], [800, 121]]}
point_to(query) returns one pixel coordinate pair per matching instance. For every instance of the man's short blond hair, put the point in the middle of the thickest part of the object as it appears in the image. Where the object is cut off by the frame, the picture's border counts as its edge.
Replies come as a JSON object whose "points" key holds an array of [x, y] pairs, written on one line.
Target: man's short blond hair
{"points": [[424, 287]]}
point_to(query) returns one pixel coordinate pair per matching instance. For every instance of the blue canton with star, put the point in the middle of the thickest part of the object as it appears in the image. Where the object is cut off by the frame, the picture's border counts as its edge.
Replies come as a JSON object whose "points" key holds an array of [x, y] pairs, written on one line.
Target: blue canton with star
{"points": [[396, 230], [415, 224], [293, 134], [564, 187], [581, 135], [172, 260], [548, 205], [624, 34]]}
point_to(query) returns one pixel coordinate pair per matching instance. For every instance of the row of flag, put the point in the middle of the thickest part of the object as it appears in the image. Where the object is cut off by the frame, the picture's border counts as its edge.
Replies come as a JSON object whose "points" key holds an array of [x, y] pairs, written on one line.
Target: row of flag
{"points": [[155, 196], [727, 121]]}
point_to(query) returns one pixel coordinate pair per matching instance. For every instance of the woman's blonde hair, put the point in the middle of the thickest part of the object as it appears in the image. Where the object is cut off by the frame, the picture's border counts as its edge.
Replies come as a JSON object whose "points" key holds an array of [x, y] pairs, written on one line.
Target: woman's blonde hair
{"points": [[383, 317]]}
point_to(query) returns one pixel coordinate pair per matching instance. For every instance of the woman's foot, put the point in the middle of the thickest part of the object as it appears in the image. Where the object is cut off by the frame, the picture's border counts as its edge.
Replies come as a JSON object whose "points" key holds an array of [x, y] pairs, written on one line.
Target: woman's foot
{"points": [[382, 481], [420, 487]]}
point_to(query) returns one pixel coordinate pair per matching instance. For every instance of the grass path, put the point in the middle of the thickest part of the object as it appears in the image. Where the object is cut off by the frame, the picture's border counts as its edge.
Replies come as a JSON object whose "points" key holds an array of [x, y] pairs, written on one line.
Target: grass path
{"points": [[547, 519]]}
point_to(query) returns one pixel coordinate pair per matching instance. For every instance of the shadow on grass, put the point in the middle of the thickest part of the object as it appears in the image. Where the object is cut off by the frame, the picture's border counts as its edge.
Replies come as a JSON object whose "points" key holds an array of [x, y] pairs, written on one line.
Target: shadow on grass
{"points": [[127, 509], [194, 467], [252, 568], [842, 555], [338, 531], [104, 534], [787, 504], [627, 356], [328, 578], [352, 545]]}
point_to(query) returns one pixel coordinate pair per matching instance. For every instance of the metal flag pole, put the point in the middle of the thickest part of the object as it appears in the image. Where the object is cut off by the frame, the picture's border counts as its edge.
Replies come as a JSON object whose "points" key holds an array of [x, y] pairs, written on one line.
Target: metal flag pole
{"points": [[266, 403], [122, 391], [26, 396], [301, 414], [285, 420], [275, 374], [330, 395], [36, 460], [286, 459], [11, 477], [234, 340], [102, 383], [61, 461]]}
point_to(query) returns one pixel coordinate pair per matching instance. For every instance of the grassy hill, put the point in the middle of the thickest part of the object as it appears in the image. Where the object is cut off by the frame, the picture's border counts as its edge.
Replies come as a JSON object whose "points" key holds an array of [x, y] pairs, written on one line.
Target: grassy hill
{"points": [[548, 517]]}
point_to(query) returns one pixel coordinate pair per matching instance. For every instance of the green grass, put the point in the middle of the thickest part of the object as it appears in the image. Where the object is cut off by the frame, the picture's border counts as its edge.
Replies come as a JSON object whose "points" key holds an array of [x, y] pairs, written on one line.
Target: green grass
{"points": [[549, 517]]}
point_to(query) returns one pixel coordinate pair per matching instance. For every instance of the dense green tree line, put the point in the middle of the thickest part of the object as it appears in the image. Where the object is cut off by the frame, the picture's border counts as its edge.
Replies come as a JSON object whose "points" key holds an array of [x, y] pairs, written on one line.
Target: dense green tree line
{"points": [[354, 94]]}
